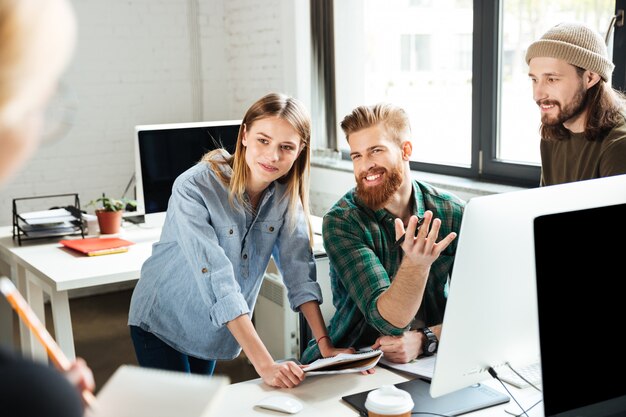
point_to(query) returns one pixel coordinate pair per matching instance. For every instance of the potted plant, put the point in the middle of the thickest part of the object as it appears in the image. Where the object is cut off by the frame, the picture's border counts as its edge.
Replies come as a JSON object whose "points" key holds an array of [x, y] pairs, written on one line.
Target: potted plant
{"points": [[109, 212]]}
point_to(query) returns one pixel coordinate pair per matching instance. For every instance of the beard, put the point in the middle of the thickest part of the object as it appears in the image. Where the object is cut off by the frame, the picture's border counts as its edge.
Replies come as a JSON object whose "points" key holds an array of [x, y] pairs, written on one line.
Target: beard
{"points": [[376, 197], [568, 111]]}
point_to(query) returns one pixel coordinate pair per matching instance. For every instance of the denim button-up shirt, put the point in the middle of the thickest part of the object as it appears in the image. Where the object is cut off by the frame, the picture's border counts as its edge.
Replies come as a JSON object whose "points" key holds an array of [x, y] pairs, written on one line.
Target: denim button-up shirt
{"points": [[208, 266]]}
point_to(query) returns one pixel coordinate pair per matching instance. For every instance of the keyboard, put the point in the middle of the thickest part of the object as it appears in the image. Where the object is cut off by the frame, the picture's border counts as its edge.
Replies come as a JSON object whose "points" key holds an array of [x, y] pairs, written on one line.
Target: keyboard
{"points": [[531, 372]]}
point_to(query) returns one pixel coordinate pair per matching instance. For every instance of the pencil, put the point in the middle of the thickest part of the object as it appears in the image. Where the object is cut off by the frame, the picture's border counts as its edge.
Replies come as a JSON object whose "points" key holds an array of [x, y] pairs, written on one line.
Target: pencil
{"points": [[401, 240], [35, 325]]}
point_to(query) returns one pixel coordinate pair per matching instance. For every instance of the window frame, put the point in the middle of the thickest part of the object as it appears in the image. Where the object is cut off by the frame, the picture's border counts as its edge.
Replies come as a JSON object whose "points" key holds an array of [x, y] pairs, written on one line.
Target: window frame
{"points": [[485, 166]]}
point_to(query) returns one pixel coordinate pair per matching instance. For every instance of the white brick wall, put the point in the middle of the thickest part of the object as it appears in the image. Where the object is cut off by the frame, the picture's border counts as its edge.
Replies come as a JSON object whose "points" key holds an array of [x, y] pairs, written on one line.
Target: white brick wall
{"points": [[133, 66]]}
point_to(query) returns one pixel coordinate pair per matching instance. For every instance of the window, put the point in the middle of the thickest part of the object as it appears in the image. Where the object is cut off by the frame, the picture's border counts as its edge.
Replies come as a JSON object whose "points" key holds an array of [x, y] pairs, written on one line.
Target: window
{"points": [[415, 53], [523, 21], [457, 67]]}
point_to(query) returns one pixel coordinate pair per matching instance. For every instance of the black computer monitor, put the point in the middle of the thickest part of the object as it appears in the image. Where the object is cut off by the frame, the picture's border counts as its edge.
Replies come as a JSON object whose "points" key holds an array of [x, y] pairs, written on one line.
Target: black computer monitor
{"points": [[582, 311], [163, 152]]}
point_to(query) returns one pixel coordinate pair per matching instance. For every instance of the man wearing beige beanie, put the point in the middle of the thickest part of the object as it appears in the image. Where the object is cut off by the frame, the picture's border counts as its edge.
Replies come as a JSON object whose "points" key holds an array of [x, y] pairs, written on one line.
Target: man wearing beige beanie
{"points": [[583, 119]]}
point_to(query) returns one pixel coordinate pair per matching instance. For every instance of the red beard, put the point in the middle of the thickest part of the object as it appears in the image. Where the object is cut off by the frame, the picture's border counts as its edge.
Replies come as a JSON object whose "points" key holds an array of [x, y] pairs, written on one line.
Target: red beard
{"points": [[377, 197]]}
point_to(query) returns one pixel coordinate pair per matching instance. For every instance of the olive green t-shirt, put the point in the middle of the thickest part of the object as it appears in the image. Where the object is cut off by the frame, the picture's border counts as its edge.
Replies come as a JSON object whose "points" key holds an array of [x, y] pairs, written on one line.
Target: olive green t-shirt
{"points": [[577, 159]]}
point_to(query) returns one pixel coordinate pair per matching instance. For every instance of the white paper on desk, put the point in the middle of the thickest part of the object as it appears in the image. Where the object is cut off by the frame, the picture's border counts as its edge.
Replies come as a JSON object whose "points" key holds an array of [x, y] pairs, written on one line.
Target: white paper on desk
{"points": [[423, 367], [142, 392], [47, 216], [344, 363]]}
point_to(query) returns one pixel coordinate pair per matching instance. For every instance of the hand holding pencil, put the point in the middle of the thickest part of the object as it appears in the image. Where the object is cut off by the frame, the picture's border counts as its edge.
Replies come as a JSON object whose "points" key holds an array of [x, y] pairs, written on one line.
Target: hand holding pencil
{"points": [[77, 372]]}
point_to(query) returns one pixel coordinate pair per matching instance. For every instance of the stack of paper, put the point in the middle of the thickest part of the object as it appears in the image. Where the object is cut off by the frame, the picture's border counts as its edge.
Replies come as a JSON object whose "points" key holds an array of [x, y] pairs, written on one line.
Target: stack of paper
{"points": [[48, 223]]}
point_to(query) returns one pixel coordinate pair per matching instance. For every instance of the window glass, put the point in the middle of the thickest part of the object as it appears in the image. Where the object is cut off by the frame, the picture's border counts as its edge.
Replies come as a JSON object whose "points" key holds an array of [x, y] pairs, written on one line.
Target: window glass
{"points": [[523, 22], [415, 54]]}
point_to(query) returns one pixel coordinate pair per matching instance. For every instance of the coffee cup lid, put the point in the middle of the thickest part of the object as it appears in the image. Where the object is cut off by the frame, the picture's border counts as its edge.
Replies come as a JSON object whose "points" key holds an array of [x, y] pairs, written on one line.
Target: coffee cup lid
{"points": [[389, 400]]}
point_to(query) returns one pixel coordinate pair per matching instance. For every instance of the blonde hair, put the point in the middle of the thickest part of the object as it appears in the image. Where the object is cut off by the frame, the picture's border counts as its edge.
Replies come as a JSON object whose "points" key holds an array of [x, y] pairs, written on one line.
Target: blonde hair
{"points": [[297, 179], [393, 118], [37, 39], [12, 40]]}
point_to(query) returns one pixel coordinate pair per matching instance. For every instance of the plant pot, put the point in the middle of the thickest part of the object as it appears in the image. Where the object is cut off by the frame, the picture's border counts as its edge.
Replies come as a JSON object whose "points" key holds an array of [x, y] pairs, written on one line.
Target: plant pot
{"points": [[109, 221]]}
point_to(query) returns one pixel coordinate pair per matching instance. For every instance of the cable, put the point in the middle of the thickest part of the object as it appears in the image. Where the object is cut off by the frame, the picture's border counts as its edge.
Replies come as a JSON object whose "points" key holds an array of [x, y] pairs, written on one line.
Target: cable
{"points": [[429, 413], [132, 179], [523, 412], [494, 374]]}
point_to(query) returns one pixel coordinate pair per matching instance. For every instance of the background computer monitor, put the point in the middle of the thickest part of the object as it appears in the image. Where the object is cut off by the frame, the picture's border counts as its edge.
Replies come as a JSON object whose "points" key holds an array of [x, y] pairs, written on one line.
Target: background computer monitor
{"points": [[164, 151], [580, 263], [491, 313]]}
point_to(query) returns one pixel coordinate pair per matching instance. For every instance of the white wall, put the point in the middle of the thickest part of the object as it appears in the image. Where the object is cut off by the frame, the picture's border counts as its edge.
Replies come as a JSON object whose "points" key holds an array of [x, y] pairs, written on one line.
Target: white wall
{"points": [[142, 62]]}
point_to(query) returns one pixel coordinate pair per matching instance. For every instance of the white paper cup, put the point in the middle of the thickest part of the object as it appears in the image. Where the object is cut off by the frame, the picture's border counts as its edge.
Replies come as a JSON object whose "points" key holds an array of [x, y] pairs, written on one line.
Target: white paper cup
{"points": [[389, 401]]}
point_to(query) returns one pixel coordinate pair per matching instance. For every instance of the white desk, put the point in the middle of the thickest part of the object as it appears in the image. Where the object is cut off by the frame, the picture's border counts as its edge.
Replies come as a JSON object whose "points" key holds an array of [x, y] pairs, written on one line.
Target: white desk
{"points": [[38, 267], [321, 395], [49, 267]]}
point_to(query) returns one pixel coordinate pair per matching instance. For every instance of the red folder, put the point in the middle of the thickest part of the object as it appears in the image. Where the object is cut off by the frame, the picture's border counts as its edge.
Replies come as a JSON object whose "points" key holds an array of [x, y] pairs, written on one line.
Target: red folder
{"points": [[98, 246]]}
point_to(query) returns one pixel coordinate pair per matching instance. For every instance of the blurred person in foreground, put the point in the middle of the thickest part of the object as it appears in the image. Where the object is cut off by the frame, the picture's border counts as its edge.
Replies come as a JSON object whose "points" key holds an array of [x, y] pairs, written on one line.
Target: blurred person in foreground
{"points": [[37, 39]]}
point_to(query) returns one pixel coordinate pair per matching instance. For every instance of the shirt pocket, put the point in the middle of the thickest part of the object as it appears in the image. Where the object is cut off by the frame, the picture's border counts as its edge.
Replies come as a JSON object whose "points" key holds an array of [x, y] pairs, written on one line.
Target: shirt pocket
{"points": [[265, 235], [228, 238]]}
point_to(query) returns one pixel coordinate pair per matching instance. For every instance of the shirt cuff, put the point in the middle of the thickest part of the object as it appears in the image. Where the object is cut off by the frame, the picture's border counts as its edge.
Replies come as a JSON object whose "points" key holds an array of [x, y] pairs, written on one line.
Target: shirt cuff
{"points": [[377, 321], [228, 308], [305, 292]]}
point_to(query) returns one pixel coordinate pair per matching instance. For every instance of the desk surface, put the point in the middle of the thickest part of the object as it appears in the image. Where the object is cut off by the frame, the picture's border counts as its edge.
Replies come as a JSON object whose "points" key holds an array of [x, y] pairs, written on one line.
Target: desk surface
{"points": [[321, 395], [63, 269]]}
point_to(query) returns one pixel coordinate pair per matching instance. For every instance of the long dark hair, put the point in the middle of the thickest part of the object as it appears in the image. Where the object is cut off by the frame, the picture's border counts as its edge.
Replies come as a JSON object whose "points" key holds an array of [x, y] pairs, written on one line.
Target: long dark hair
{"points": [[605, 107]]}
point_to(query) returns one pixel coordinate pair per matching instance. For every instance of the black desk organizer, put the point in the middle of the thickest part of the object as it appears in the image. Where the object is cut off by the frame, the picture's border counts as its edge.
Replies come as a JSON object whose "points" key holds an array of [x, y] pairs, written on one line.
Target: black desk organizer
{"points": [[22, 231]]}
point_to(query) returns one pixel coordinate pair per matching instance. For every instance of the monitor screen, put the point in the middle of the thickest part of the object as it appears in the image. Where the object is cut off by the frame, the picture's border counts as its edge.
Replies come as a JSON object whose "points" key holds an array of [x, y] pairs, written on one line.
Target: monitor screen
{"points": [[491, 313], [581, 311], [163, 152]]}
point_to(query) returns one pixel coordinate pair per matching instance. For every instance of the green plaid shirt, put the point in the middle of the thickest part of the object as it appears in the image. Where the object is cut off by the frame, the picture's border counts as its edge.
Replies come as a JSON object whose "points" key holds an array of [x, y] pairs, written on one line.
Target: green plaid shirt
{"points": [[360, 244]]}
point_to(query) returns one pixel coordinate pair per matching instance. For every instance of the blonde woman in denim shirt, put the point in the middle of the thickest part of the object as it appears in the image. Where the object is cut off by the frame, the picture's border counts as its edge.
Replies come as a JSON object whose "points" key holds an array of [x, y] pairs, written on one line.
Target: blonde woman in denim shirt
{"points": [[227, 215]]}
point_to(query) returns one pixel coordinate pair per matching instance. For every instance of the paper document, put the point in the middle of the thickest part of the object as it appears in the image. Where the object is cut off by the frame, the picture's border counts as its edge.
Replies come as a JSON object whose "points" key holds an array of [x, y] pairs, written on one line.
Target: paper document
{"points": [[47, 217], [423, 367], [344, 363], [143, 392]]}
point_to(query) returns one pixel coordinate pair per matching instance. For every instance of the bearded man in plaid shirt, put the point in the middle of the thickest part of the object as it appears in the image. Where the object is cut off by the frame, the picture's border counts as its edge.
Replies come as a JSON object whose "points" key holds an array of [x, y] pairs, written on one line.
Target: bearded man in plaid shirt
{"points": [[388, 294]]}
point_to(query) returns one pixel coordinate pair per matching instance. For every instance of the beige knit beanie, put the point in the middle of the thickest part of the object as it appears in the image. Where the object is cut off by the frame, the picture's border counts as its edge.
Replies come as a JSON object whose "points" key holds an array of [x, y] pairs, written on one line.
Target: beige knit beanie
{"points": [[577, 45]]}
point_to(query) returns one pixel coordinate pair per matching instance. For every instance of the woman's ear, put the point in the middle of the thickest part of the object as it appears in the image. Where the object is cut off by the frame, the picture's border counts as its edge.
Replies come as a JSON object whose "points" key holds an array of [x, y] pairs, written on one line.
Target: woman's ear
{"points": [[244, 136], [302, 147], [407, 150]]}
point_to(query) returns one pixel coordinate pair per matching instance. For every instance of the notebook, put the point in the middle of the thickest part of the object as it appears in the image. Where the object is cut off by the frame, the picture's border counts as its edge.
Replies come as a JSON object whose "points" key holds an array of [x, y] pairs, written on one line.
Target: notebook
{"points": [[344, 363], [459, 402], [142, 392], [98, 246]]}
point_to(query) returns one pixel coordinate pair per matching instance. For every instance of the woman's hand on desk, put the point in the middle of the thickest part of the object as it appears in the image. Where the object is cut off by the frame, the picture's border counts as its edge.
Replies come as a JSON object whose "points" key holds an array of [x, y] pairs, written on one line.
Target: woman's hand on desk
{"points": [[282, 375]]}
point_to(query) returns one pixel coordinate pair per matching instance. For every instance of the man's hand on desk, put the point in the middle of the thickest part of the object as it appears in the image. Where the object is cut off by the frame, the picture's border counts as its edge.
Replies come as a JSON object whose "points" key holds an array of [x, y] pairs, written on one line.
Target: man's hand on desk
{"points": [[400, 349]]}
